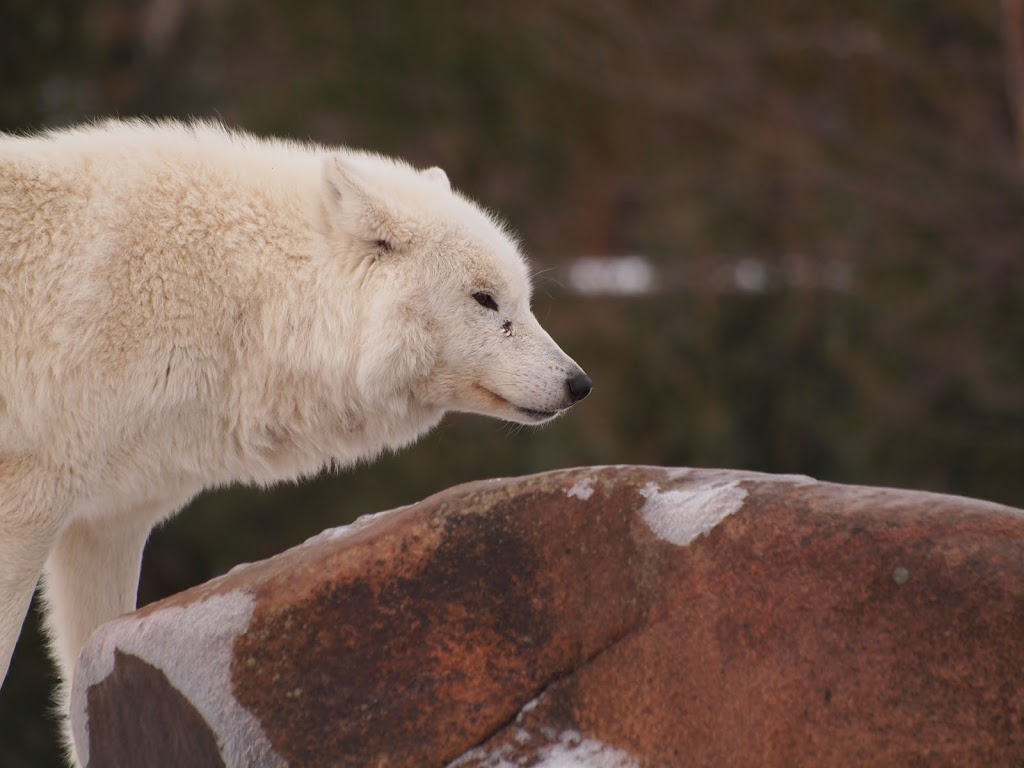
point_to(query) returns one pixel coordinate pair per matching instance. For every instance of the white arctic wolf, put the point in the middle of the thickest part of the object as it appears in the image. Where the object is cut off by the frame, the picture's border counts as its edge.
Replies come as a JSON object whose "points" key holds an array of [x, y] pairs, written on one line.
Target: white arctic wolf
{"points": [[184, 306]]}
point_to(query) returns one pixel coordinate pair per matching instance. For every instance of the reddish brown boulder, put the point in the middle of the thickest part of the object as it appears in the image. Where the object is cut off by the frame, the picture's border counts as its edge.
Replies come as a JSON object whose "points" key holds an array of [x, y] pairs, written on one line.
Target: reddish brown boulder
{"points": [[616, 616]]}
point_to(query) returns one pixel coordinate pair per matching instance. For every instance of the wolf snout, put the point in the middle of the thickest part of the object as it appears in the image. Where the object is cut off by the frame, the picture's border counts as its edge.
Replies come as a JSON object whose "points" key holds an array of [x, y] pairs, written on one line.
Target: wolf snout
{"points": [[579, 387]]}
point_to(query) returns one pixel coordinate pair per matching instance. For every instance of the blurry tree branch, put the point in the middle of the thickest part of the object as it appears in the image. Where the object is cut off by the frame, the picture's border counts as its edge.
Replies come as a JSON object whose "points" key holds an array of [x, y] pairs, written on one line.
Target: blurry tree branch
{"points": [[1013, 42], [818, 99]]}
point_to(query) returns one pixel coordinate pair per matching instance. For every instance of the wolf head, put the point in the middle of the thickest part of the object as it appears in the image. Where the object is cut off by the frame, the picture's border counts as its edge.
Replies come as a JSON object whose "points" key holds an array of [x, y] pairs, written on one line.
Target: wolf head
{"points": [[444, 296]]}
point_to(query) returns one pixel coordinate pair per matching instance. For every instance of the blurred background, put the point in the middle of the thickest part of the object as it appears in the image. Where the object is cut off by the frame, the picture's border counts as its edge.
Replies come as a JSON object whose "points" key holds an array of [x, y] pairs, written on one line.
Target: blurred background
{"points": [[785, 237]]}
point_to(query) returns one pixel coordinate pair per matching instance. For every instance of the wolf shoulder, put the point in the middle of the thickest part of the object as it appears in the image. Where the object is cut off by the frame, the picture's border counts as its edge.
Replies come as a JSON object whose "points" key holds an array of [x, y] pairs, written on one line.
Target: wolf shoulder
{"points": [[128, 249]]}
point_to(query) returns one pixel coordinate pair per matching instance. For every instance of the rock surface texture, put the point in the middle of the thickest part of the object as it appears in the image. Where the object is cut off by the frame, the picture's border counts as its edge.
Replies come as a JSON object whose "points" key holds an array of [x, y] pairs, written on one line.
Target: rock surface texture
{"points": [[609, 617]]}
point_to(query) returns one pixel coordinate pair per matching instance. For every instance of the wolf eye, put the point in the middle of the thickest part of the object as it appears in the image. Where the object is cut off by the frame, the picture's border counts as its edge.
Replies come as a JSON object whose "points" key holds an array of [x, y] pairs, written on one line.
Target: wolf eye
{"points": [[384, 245], [485, 300]]}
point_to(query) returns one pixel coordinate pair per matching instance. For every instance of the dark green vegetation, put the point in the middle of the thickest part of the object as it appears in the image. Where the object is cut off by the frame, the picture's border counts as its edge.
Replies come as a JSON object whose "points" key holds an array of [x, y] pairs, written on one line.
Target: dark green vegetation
{"points": [[860, 156]]}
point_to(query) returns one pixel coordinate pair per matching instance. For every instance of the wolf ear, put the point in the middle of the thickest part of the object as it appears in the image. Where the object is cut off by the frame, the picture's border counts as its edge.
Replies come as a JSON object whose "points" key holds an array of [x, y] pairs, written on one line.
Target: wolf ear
{"points": [[361, 207], [437, 176]]}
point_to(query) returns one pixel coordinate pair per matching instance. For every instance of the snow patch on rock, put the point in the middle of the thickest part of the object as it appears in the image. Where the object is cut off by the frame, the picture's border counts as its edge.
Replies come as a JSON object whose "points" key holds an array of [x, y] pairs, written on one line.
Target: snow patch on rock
{"points": [[680, 515], [795, 479], [201, 671], [570, 750], [582, 489], [344, 531]]}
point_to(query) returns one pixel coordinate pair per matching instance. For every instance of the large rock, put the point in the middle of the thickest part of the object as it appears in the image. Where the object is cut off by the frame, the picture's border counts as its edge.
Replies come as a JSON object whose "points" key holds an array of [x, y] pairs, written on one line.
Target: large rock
{"points": [[618, 616]]}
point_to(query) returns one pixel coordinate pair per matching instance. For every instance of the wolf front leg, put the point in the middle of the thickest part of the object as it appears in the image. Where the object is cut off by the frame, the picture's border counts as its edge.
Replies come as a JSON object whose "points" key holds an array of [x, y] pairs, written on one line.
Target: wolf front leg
{"points": [[91, 576], [31, 517]]}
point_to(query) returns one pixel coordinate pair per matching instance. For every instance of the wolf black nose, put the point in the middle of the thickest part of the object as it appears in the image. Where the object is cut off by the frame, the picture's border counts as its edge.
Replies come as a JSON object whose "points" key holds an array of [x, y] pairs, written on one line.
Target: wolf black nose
{"points": [[580, 386]]}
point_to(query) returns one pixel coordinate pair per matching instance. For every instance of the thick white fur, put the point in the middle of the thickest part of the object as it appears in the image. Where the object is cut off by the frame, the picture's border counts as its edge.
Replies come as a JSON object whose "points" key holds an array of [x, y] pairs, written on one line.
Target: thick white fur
{"points": [[184, 306]]}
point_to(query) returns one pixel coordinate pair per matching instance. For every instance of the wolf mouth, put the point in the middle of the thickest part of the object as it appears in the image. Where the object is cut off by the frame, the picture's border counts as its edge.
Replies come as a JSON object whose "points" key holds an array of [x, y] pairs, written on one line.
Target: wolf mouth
{"points": [[531, 412], [535, 414]]}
